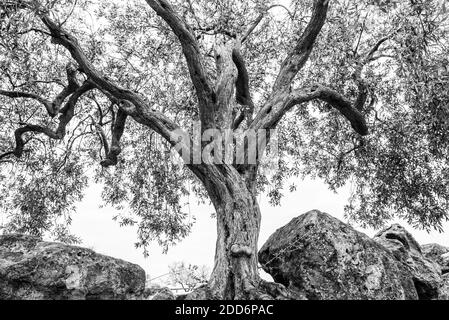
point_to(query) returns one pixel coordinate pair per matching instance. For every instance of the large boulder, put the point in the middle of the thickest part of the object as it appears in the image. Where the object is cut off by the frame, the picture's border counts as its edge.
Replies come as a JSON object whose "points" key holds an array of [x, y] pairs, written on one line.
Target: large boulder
{"points": [[444, 289], [440, 255], [426, 273], [34, 269], [324, 258]]}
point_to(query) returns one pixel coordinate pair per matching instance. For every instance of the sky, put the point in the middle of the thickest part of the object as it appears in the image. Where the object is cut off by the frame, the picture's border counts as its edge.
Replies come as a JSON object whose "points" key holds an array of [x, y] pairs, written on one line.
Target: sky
{"points": [[99, 232]]}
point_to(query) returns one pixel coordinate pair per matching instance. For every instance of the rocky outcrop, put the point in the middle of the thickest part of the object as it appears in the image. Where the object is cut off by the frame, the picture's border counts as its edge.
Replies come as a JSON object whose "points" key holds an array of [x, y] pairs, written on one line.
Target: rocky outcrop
{"points": [[444, 288], [34, 269], [426, 273], [439, 254], [324, 258], [156, 292], [315, 256]]}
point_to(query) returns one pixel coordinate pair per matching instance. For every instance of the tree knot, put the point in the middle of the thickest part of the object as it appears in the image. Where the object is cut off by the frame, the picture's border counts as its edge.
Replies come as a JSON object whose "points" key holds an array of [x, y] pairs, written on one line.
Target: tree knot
{"points": [[238, 250]]}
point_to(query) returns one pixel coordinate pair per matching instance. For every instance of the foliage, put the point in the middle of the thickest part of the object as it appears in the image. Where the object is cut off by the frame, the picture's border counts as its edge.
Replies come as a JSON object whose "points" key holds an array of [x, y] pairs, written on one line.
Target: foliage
{"points": [[399, 169], [40, 195]]}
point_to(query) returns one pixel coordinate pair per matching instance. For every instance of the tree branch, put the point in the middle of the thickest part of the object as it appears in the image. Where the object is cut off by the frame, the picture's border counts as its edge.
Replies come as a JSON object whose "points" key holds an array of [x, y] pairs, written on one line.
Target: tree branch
{"points": [[272, 113], [215, 30], [259, 19], [21, 94], [6, 155], [282, 101], [225, 85], [242, 93], [299, 55], [357, 75], [67, 113], [342, 156], [129, 101], [52, 107], [253, 26], [102, 135], [72, 86], [191, 50], [117, 132], [346, 108], [376, 47]]}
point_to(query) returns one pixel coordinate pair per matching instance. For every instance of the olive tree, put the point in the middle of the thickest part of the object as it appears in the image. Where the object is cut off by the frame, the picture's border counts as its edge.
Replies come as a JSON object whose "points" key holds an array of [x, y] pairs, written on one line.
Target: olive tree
{"points": [[357, 92]]}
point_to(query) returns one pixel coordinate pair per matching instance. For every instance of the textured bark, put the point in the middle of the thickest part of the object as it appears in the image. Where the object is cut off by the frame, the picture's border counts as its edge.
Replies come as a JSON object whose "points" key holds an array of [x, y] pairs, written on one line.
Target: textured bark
{"points": [[297, 58], [235, 273], [130, 102], [117, 131], [221, 111], [273, 111], [67, 113], [52, 107], [242, 95], [204, 89]]}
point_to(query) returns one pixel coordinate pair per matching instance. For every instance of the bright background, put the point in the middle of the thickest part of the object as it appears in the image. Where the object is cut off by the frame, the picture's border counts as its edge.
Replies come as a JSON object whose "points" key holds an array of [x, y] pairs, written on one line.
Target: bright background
{"points": [[99, 232]]}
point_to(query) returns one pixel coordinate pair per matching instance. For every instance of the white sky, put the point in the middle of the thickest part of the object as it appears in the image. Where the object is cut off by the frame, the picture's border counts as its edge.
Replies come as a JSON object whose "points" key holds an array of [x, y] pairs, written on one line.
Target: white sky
{"points": [[99, 232]]}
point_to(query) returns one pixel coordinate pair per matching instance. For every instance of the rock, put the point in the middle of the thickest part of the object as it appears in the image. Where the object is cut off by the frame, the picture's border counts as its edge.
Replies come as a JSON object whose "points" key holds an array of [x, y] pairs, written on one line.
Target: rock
{"points": [[182, 296], [437, 253], [201, 293], [163, 294], [156, 292], [426, 273], [33, 269], [324, 258], [440, 255], [444, 289]]}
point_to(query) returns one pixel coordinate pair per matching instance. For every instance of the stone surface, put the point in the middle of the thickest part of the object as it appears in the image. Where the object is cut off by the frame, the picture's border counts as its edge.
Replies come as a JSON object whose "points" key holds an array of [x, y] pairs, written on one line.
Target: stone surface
{"points": [[34, 269], [156, 292], [426, 273], [444, 289], [437, 253], [440, 255], [200, 293], [324, 258]]}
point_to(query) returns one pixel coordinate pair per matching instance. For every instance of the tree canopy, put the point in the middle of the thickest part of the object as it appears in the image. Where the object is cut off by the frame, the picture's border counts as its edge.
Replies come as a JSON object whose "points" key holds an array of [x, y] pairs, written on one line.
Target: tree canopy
{"points": [[59, 132]]}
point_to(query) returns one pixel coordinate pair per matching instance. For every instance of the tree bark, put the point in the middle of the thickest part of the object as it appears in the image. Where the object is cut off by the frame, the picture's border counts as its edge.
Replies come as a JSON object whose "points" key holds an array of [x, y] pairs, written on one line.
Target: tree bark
{"points": [[235, 274]]}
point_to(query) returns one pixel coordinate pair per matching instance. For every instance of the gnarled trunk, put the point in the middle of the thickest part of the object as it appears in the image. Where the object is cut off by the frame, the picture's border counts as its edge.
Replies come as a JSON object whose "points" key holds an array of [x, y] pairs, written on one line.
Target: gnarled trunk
{"points": [[235, 274]]}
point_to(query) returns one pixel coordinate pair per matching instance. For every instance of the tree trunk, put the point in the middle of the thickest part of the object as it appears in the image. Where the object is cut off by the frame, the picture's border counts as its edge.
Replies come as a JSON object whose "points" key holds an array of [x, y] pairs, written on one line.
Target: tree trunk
{"points": [[235, 274]]}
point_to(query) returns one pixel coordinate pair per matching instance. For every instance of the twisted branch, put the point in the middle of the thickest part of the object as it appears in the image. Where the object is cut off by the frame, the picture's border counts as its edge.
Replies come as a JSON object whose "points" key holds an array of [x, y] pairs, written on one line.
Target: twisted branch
{"points": [[54, 106], [299, 55], [67, 113]]}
